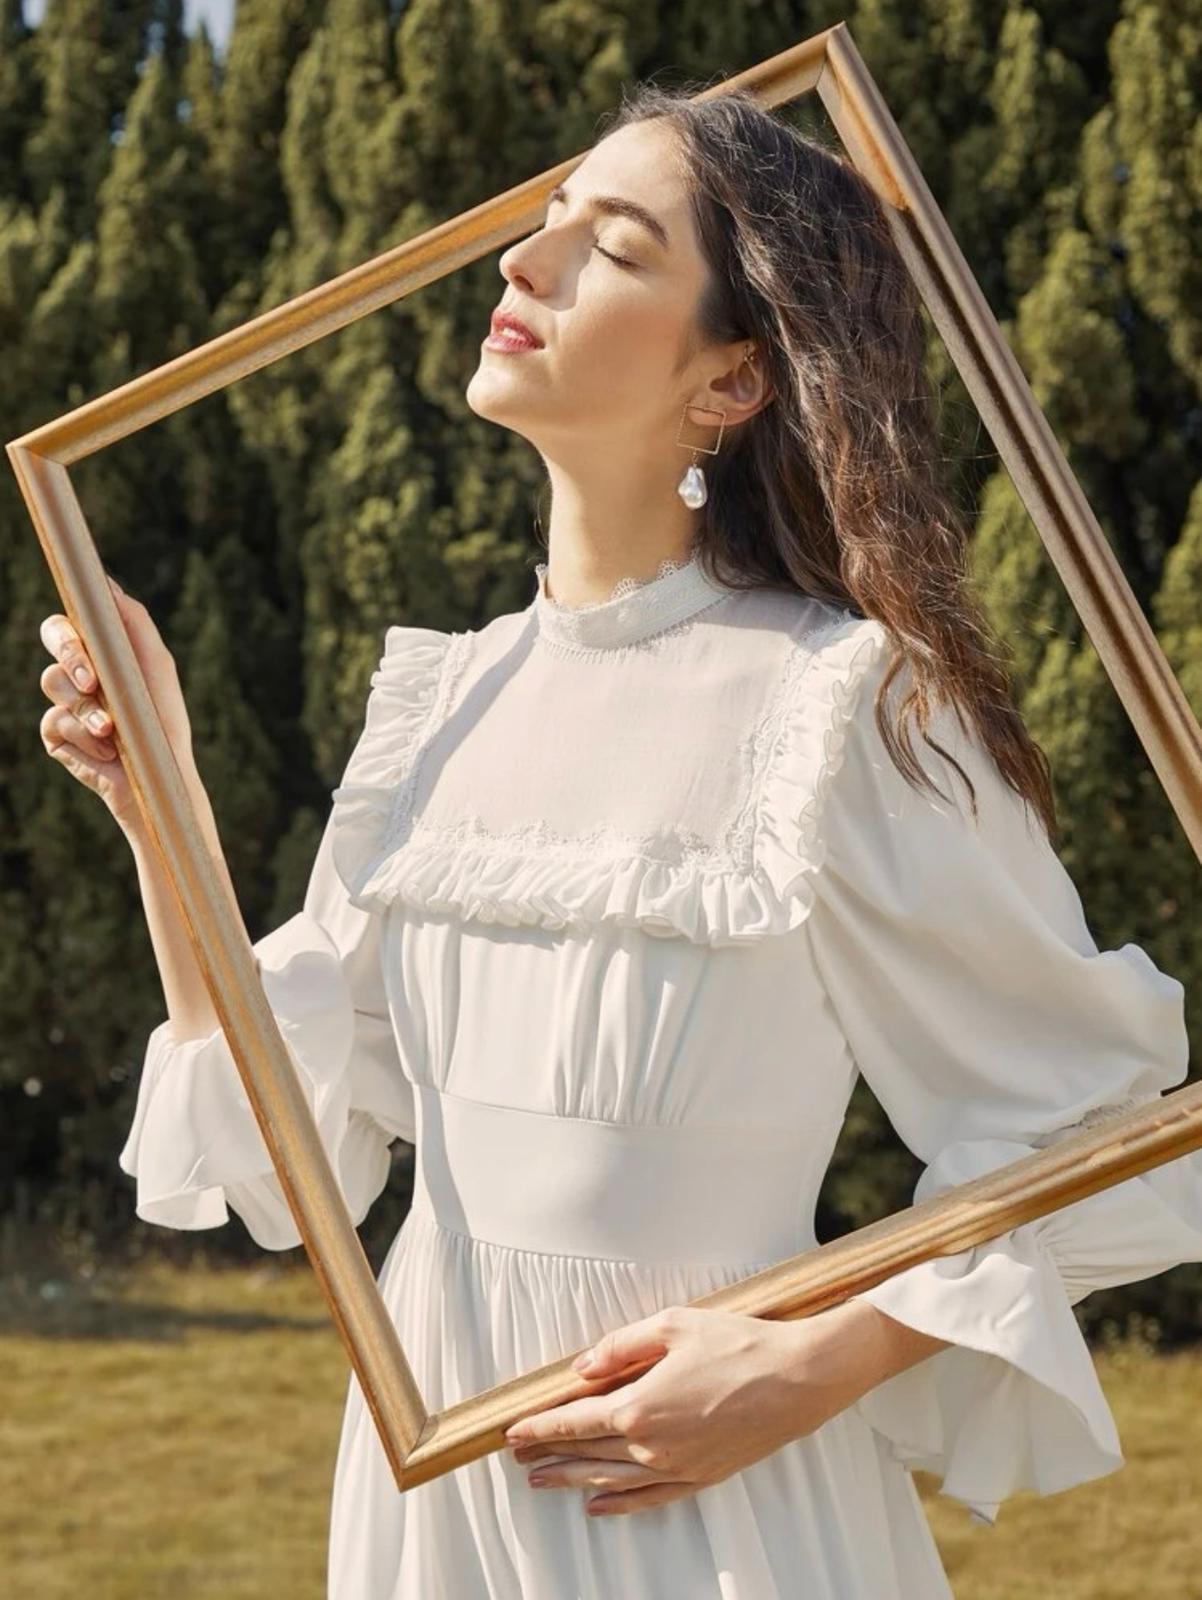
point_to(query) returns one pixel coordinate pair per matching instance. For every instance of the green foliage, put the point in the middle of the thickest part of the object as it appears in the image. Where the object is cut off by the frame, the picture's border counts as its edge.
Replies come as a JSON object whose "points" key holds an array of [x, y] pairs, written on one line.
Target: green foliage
{"points": [[153, 195], [1071, 176]]}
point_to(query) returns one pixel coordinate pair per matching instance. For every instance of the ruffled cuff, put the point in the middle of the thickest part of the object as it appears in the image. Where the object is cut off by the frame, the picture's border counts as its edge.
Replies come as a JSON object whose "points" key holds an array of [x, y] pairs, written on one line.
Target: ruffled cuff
{"points": [[195, 1144], [1016, 1402]]}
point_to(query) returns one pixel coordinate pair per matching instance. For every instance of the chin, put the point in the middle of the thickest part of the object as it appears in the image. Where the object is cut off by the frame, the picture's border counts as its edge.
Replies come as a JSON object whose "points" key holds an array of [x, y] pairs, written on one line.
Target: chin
{"points": [[496, 401]]}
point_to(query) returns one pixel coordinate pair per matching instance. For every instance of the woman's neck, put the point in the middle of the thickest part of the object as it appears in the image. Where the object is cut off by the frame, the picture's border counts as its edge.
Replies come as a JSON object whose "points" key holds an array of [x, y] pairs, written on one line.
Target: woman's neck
{"points": [[621, 528]]}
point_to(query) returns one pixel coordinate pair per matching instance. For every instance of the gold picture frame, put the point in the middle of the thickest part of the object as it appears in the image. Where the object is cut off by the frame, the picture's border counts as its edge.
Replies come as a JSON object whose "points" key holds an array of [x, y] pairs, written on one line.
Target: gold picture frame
{"points": [[419, 1444]]}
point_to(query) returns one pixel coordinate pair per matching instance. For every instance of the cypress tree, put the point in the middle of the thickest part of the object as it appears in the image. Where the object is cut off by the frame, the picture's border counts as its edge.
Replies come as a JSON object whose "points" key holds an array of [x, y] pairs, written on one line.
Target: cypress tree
{"points": [[153, 195]]}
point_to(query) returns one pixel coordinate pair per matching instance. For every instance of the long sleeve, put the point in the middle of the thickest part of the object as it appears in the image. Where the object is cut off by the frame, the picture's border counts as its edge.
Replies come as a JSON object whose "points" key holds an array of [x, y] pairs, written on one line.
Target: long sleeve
{"points": [[979, 1008], [194, 1145]]}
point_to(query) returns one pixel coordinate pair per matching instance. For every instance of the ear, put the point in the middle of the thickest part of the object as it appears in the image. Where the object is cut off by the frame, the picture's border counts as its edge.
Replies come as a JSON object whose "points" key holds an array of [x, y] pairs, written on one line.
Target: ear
{"points": [[741, 388]]}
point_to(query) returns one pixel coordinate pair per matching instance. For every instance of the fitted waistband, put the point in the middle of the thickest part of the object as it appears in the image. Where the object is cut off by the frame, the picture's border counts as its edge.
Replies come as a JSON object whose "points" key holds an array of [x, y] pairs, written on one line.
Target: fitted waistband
{"points": [[643, 1192]]}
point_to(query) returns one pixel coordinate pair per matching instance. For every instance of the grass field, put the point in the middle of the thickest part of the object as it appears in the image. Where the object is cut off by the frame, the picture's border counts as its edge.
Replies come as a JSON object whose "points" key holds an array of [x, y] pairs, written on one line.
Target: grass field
{"points": [[172, 1434]]}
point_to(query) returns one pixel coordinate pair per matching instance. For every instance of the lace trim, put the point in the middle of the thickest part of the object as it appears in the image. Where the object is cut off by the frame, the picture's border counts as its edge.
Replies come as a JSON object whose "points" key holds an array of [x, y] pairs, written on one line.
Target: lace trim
{"points": [[673, 849], [636, 609], [650, 643], [1095, 1115], [623, 585]]}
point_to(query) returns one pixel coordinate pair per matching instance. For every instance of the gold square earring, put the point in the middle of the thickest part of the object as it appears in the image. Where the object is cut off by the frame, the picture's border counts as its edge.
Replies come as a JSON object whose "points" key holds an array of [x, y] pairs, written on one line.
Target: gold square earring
{"points": [[691, 488]]}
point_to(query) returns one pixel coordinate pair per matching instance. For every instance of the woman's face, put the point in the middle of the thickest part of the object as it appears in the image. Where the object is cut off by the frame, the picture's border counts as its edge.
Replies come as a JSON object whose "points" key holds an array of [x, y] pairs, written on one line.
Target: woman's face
{"points": [[613, 332]]}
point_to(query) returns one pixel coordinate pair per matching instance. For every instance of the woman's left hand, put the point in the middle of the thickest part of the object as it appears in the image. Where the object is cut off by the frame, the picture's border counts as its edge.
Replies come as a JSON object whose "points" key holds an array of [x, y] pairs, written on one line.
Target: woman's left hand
{"points": [[725, 1390]]}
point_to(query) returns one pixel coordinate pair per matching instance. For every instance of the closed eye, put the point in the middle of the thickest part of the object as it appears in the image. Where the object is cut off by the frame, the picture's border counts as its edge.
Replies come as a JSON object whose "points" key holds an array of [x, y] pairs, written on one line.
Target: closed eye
{"points": [[621, 260]]}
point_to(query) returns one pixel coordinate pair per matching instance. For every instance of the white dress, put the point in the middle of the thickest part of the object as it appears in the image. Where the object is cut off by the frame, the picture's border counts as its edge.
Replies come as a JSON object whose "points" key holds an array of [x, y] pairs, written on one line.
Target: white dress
{"points": [[613, 904]]}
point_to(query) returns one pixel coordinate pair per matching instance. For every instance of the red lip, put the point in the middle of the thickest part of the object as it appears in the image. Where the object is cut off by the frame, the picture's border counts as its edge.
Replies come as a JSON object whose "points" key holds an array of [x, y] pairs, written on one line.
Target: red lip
{"points": [[506, 319]]}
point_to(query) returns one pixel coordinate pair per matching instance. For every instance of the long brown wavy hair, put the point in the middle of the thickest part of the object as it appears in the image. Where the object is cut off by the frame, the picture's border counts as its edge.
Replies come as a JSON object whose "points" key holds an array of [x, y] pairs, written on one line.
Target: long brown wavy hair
{"points": [[832, 489]]}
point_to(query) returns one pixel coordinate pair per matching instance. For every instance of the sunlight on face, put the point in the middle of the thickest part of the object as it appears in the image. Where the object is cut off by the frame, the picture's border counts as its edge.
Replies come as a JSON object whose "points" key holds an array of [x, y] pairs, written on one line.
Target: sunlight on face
{"points": [[613, 331]]}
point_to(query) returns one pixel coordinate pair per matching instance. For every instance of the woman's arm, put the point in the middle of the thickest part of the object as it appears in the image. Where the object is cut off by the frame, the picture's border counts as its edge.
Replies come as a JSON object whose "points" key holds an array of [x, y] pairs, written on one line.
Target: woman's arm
{"points": [[724, 1391], [875, 1344], [194, 1145], [983, 1014]]}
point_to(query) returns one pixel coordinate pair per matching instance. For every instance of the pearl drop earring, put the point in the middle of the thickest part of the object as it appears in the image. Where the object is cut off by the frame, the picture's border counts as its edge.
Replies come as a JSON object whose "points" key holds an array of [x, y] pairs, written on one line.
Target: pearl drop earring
{"points": [[691, 488]]}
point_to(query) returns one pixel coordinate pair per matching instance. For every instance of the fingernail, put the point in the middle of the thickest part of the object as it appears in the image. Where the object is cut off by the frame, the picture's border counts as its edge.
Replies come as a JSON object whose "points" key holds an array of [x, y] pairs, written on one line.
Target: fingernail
{"points": [[97, 721], [82, 677], [536, 1478], [585, 1359]]}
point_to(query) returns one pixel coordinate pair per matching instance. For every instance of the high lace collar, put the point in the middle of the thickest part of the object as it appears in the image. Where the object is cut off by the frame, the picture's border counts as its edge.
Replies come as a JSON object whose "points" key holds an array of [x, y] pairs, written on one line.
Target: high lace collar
{"points": [[635, 609]]}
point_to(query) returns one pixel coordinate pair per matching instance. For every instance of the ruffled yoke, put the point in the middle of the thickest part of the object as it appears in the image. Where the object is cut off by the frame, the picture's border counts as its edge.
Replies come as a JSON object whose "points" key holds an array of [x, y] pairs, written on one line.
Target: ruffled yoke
{"points": [[651, 812]]}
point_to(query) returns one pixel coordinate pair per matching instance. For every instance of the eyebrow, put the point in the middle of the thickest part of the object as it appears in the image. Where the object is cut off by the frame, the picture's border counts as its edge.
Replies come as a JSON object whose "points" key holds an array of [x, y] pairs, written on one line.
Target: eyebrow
{"points": [[615, 206]]}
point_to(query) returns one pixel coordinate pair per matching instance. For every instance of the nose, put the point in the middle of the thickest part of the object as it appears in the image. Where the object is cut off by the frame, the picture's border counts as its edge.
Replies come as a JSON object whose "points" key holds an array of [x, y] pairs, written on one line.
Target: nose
{"points": [[516, 276], [519, 266]]}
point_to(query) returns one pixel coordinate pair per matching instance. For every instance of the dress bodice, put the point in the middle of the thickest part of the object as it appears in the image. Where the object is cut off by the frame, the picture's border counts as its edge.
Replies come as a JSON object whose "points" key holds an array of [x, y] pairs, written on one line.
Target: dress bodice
{"points": [[656, 760]]}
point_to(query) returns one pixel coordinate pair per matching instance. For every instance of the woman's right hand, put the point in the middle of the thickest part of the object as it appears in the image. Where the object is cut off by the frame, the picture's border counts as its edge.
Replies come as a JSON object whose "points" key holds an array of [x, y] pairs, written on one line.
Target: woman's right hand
{"points": [[88, 752]]}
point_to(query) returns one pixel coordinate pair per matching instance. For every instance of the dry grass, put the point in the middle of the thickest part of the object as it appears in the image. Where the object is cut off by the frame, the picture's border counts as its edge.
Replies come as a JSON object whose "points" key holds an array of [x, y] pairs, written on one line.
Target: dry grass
{"points": [[1133, 1535], [173, 1433]]}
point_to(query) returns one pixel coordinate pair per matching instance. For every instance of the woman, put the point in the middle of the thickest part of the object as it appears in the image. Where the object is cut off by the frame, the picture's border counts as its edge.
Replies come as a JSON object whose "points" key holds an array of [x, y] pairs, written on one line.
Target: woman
{"points": [[620, 892]]}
